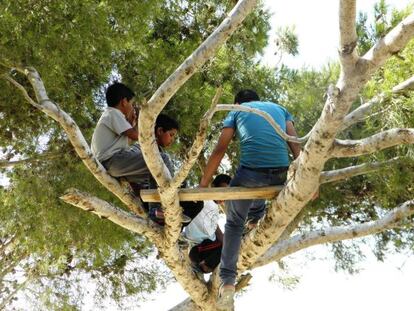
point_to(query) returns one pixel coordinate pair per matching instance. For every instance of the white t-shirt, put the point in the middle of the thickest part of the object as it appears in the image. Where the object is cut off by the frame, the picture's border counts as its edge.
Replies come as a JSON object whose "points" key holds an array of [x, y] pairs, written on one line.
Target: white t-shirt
{"points": [[204, 225], [107, 138]]}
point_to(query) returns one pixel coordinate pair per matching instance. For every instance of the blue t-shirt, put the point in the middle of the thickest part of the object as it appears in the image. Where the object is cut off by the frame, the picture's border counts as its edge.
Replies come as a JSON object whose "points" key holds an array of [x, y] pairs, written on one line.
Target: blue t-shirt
{"points": [[260, 145]]}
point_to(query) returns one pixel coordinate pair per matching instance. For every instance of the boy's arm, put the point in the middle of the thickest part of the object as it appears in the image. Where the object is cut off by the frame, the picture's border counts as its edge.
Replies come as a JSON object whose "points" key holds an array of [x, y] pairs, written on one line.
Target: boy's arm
{"points": [[294, 147], [218, 153], [132, 133]]}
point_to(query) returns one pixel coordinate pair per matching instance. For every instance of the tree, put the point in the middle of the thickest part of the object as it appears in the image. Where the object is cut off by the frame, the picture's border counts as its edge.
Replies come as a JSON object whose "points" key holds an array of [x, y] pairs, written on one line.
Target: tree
{"points": [[40, 162], [272, 239]]}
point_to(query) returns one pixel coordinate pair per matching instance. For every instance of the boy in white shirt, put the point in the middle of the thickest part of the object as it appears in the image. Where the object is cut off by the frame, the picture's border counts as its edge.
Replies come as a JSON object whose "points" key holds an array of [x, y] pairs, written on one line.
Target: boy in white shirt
{"points": [[110, 142], [204, 232]]}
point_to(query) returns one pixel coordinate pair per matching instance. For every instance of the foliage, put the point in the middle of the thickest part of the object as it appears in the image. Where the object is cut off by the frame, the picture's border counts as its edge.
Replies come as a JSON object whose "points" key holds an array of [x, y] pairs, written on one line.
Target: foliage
{"points": [[363, 198], [78, 46]]}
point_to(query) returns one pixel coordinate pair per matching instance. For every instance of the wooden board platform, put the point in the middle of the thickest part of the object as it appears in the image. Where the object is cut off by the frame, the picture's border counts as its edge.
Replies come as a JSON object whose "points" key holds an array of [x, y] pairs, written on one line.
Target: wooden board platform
{"points": [[199, 194]]}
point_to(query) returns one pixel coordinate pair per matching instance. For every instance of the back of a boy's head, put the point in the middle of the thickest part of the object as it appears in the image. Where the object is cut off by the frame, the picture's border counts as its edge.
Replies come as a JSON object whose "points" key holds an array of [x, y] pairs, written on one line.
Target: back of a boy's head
{"points": [[209, 251], [245, 96], [116, 92], [166, 123], [220, 180]]}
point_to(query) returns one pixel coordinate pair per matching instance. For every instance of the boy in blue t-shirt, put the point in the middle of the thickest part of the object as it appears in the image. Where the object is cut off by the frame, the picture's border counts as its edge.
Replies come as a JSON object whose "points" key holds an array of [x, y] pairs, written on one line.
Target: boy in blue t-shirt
{"points": [[264, 161]]}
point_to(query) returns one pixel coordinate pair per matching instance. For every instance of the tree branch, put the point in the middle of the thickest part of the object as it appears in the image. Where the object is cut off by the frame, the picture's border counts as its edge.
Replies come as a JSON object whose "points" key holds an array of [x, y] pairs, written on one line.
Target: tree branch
{"points": [[76, 138], [377, 142], [198, 143], [407, 85], [150, 111], [37, 158], [23, 91], [347, 33], [352, 171], [118, 216], [359, 113], [318, 149], [284, 248], [206, 50], [186, 305], [301, 186], [174, 258], [389, 45]]}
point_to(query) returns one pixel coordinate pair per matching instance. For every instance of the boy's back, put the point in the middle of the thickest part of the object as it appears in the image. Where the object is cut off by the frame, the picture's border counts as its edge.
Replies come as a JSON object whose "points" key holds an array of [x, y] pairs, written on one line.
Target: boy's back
{"points": [[204, 225]]}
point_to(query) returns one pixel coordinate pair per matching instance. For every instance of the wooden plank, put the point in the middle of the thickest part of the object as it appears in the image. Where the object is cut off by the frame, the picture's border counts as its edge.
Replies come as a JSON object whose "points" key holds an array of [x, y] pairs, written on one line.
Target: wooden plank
{"points": [[229, 193]]}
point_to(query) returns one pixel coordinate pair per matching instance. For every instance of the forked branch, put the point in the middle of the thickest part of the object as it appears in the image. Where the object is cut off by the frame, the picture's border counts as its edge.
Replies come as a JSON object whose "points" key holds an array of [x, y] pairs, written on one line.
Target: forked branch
{"points": [[157, 102]]}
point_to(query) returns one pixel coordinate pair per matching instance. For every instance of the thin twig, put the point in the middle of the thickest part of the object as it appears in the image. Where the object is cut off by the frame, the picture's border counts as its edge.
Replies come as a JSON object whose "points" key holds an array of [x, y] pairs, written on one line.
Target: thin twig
{"points": [[23, 90]]}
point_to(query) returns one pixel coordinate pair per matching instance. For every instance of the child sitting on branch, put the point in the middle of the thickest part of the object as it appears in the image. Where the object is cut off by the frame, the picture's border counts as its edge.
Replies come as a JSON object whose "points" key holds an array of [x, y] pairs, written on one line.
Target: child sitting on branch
{"points": [[110, 143]]}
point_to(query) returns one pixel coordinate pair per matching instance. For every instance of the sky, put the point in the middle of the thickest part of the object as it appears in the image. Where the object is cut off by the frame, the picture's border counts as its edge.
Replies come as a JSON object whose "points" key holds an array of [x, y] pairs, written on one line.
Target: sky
{"points": [[379, 286], [316, 24]]}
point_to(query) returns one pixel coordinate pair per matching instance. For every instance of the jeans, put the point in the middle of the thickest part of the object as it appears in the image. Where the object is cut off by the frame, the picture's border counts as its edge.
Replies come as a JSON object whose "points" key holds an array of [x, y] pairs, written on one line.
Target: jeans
{"points": [[237, 211], [130, 164]]}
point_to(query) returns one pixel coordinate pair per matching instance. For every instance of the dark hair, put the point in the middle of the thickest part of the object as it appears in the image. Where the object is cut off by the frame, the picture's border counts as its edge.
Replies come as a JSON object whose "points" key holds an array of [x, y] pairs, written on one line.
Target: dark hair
{"points": [[245, 96], [167, 123], [221, 179], [116, 92], [209, 251]]}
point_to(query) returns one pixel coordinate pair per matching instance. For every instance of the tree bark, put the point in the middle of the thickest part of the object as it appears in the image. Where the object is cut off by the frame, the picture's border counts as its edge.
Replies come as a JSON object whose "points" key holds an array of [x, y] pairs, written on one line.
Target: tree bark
{"points": [[377, 142]]}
